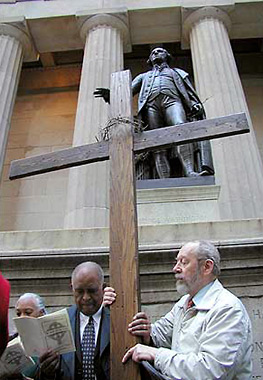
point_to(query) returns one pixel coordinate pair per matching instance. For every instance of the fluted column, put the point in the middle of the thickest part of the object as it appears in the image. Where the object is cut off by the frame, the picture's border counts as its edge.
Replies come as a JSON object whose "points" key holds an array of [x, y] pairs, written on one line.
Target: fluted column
{"points": [[88, 203], [238, 166], [14, 44]]}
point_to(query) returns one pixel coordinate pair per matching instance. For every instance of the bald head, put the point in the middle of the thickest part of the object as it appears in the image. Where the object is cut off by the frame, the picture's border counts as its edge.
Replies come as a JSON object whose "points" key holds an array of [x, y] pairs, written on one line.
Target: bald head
{"points": [[87, 285], [88, 266]]}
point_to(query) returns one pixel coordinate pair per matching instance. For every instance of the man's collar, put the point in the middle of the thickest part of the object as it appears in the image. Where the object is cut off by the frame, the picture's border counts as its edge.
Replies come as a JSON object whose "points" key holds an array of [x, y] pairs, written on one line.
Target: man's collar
{"points": [[96, 316], [202, 292], [208, 295]]}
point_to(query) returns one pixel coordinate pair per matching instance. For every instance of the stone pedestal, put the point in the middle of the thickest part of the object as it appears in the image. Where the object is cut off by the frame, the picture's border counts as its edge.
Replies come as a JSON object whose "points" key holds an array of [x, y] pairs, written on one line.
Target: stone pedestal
{"points": [[177, 205], [13, 43], [88, 203], [238, 166]]}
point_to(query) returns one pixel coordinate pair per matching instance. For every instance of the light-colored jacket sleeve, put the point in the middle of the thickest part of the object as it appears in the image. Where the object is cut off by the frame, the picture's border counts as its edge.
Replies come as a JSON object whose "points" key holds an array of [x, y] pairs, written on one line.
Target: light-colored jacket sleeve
{"points": [[222, 346], [162, 330]]}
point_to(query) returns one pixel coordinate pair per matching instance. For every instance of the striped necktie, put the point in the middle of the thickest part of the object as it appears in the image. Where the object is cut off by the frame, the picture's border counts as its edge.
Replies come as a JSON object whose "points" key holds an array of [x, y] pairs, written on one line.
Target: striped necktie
{"points": [[88, 350]]}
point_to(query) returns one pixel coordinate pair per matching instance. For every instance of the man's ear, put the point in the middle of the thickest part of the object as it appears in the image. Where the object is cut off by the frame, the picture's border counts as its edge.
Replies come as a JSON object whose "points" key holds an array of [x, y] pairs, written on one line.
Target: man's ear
{"points": [[208, 266]]}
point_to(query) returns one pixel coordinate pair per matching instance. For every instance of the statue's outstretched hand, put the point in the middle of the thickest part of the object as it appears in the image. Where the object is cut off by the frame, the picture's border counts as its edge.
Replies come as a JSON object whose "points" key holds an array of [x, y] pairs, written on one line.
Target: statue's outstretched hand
{"points": [[102, 92]]}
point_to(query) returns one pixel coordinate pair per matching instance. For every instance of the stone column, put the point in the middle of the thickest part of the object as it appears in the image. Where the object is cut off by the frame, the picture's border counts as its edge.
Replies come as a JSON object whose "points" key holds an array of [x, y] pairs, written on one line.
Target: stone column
{"points": [[238, 166], [14, 45], [104, 34]]}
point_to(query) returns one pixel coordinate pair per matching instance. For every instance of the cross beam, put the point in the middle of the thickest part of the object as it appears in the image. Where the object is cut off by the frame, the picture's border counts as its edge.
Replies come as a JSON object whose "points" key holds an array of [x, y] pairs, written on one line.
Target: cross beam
{"points": [[149, 140], [124, 270]]}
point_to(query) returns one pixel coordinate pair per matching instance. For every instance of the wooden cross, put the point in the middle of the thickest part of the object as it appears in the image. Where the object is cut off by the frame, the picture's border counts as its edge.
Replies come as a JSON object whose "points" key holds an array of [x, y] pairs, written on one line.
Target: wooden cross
{"points": [[124, 274]]}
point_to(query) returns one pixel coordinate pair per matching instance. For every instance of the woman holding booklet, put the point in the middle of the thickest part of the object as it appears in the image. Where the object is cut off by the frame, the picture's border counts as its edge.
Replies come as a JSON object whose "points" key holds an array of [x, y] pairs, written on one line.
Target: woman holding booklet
{"points": [[28, 305]]}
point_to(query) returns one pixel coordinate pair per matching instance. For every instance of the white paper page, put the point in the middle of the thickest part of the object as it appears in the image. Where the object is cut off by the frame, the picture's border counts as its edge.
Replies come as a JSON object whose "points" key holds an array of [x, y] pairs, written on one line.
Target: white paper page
{"points": [[31, 336], [14, 358], [57, 330], [51, 331]]}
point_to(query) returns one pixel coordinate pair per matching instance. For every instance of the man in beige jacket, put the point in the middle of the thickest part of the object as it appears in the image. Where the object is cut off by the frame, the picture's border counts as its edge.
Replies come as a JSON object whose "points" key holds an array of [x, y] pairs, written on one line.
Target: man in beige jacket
{"points": [[207, 334]]}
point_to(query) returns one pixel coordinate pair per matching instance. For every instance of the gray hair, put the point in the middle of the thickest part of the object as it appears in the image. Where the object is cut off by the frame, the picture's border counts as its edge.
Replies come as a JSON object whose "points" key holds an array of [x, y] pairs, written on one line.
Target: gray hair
{"points": [[207, 250], [39, 300], [89, 265]]}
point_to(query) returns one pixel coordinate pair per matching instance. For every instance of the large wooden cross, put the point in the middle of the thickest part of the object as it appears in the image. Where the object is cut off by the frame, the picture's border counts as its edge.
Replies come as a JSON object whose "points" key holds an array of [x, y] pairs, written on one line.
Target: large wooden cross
{"points": [[124, 274]]}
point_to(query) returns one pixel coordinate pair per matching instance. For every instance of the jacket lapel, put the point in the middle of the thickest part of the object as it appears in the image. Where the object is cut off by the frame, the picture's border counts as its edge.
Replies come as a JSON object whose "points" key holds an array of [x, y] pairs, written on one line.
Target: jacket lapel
{"points": [[69, 357], [104, 330]]}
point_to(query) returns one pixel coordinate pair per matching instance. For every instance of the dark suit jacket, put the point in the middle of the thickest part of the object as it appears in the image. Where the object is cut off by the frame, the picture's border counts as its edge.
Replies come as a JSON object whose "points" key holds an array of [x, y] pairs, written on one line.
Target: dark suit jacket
{"points": [[70, 364]]}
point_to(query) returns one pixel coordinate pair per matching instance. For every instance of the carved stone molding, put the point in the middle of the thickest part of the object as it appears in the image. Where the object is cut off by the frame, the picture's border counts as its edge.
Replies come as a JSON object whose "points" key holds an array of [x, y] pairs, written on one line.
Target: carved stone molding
{"points": [[114, 18], [191, 16], [17, 28]]}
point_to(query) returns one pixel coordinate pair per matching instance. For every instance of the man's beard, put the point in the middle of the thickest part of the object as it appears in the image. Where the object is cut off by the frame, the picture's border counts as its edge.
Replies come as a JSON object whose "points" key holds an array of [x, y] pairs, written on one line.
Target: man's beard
{"points": [[182, 288]]}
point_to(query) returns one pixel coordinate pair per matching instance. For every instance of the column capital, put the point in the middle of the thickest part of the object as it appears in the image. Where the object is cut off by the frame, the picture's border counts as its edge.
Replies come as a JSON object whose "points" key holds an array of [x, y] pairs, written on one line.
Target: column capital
{"points": [[17, 28], [96, 18], [191, 16]]}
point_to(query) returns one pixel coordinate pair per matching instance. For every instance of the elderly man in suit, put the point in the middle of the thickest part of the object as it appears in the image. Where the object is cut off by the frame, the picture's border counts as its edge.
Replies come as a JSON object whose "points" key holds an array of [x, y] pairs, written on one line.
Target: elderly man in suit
{"points": [[90, 323]]}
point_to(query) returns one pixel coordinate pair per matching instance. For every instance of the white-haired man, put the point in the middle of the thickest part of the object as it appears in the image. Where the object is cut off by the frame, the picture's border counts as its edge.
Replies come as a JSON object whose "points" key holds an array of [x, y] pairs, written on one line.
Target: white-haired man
{"points": [[207, 334]]}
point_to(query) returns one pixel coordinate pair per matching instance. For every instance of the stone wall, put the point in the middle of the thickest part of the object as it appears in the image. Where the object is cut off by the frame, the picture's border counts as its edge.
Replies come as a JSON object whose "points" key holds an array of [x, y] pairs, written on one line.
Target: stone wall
{"points": [[41, 123]]}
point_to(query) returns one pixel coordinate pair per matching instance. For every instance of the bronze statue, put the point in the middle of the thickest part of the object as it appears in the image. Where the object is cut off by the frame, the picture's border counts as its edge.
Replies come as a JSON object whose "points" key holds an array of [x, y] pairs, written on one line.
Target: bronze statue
{"points": [[166, 98]]}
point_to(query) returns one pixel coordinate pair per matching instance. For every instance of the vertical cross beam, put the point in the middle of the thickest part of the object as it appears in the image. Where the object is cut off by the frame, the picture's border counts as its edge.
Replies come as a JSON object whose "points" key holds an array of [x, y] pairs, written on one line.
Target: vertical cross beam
{"points": [[123, 228]]}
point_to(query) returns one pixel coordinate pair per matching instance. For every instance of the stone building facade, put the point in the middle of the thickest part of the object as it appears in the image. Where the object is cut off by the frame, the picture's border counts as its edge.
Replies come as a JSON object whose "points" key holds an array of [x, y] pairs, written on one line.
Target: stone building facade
{"points": [[53, 54]]}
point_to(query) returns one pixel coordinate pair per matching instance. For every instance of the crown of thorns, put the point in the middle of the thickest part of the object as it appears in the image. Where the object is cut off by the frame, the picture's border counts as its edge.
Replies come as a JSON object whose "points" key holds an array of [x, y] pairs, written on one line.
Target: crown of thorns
{"points": [[105, 132]]}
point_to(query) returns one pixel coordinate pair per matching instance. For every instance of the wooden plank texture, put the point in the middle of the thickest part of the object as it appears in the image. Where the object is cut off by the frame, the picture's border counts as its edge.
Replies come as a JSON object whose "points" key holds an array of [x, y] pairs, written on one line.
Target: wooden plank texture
{"points": [[148, 140], [189, 132], [61, 159], [124, 272]]}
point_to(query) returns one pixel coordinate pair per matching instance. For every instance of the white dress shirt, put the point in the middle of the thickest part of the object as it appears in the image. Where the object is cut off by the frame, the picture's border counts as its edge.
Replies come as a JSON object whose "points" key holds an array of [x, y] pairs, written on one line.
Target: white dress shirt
{"points": [[84, 319]]}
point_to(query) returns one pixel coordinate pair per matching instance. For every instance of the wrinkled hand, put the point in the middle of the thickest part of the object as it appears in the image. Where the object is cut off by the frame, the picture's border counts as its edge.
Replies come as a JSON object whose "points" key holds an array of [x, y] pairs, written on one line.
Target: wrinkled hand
{"points": [[141, 326], [196, 110], [102, 92], [109, 296], [49, 363], [139, 353]]}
